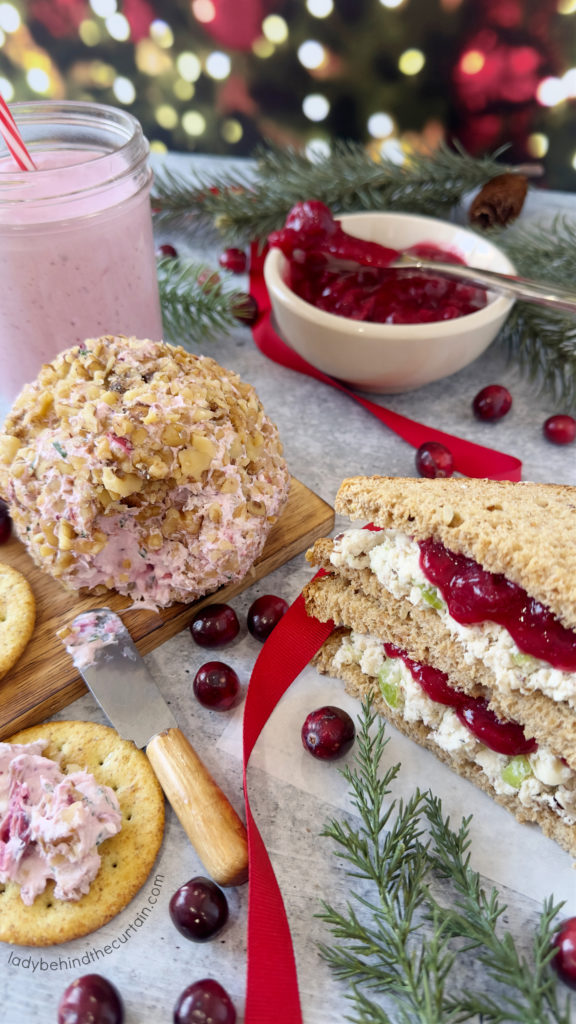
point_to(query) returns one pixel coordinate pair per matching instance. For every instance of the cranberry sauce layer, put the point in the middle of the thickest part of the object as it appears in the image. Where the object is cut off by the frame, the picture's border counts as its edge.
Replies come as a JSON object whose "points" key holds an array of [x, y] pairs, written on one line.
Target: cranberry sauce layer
{"points": [[475, 595], [315, 246], [502, 737]]}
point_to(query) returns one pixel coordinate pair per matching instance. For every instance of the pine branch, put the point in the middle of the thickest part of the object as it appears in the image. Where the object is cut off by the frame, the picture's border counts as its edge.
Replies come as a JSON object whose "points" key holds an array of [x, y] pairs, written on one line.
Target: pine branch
{"points": [[543, 251], [195, 305], [246, 208], [405, 944], [542, 342], [198, 202]]}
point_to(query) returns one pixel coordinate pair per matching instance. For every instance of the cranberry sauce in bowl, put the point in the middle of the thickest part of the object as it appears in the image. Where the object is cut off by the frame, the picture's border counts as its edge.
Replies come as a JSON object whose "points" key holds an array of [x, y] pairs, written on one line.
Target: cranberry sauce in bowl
{"points": [[386, 357], [322, 271], [502, 737], [474, 595]]}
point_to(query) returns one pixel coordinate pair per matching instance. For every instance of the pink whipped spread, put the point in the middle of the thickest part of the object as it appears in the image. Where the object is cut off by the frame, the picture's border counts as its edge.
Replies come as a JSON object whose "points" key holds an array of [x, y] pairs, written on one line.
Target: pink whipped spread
{"points": [[51, 823], [89, 633]]}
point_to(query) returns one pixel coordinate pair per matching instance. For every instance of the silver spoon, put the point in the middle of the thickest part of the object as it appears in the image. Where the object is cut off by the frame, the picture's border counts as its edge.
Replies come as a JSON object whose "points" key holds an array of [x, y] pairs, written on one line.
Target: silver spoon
{"points": [[552, 295]]}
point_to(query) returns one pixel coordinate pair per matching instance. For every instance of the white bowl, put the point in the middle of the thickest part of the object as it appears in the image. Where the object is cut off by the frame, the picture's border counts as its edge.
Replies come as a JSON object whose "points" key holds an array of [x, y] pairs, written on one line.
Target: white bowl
{"points": [[389, 358]]}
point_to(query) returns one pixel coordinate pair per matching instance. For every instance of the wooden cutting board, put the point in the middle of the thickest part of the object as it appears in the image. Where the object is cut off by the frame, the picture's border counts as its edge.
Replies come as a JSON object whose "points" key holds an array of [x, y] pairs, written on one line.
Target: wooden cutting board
{"points": [[44, 679]]}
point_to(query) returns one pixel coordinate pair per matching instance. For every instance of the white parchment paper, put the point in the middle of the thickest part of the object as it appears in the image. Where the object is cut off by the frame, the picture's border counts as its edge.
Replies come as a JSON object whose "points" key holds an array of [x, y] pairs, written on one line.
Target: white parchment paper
{"points": [[516, 856]]}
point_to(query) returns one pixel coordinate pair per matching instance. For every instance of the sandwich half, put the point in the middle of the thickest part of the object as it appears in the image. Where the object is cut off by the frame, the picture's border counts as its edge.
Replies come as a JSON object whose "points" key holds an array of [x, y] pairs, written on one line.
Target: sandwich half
{"points": [[454, 602]]}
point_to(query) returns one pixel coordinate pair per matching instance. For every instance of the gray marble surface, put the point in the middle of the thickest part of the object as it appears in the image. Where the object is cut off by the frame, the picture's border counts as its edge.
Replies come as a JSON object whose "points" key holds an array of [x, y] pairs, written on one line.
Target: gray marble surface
{"points": [[326, 437]]}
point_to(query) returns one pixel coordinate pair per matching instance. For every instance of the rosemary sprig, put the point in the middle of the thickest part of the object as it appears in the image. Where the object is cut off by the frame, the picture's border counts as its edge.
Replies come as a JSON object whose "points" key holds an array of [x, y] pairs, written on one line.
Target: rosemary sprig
{"points": [[246, 207], [195, 305], [401, 947], [473, 917]]}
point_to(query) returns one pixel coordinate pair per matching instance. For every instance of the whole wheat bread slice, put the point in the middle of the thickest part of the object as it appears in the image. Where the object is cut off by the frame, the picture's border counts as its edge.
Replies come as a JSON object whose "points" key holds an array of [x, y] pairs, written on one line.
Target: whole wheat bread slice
{"points": [[354, 598], [525, 530], [359, 685]]}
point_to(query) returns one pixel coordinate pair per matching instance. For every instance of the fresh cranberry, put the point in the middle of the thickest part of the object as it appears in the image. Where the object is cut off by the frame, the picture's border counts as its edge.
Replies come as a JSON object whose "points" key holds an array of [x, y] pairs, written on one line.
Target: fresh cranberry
{"points": [[434, 460], [560, 429], [564, 959], [166, 251], [234, 260], [216, 686], [5, 522], [492, 402], [204, 1002], [328, 733], [90, 1000], [246, 310], [264, 613], [215, 625], [199, 909]]}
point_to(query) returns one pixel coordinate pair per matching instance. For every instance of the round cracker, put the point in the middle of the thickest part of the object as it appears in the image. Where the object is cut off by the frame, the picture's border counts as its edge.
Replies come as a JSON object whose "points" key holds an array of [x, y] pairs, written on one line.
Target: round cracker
{"points": [[17, 616], [126, 858]]}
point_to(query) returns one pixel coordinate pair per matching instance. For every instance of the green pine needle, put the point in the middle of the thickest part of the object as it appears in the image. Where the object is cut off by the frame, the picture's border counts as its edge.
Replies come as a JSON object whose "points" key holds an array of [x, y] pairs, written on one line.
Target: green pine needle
{"points": [[245, 208], [542, 342], [546, 252], [401, 942], [195, 305]]}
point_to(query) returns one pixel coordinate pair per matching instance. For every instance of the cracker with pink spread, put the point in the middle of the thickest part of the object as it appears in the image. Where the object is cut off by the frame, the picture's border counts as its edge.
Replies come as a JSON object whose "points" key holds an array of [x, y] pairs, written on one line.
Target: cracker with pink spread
{"points": [[81, 824], [51, 823]]}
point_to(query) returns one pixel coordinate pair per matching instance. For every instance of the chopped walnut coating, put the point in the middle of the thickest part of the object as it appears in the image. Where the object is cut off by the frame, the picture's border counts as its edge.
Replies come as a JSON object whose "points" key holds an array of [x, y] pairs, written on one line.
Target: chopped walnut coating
{"points": [[139, 463]]}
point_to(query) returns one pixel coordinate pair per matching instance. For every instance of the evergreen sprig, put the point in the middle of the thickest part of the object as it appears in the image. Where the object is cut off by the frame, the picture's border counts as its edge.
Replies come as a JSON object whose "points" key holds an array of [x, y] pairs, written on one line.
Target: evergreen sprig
{"points": [[542, 342], [195, 304], [246, 207], [546, 252], [402, 942]]}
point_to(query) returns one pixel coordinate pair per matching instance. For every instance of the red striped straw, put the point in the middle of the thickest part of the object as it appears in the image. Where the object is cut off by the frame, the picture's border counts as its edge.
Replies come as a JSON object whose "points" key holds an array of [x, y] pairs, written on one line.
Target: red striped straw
{"points": [[13, 139]]}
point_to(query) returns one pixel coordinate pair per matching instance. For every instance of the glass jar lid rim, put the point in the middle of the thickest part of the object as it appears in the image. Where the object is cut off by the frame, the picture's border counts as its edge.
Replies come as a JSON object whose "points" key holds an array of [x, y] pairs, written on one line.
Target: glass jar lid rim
{"points": [[121, 151]]}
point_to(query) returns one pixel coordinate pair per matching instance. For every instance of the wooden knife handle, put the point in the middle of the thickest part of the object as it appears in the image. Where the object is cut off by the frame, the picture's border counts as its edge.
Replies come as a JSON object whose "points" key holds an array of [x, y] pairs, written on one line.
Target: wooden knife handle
{"points": [[211, 823]]}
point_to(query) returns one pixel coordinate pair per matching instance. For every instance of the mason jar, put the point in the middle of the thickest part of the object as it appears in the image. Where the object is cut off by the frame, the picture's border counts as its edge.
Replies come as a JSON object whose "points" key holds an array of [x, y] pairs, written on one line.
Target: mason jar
{"points": [[77, 257]]}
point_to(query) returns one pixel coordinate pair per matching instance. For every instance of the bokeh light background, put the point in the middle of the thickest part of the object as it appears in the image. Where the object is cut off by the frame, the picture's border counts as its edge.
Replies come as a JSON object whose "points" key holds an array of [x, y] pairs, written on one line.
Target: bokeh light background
{"points": [[224, 76]]}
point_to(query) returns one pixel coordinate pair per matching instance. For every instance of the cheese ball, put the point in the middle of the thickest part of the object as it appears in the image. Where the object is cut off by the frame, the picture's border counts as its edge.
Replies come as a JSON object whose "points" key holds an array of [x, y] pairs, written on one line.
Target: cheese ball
{"points": [[135, 466]]}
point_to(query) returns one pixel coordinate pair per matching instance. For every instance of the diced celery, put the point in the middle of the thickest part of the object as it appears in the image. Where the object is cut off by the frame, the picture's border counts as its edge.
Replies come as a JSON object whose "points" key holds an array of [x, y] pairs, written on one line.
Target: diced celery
{"points": [[525, 661], [517, 769], [431, 596], [389, 678]]}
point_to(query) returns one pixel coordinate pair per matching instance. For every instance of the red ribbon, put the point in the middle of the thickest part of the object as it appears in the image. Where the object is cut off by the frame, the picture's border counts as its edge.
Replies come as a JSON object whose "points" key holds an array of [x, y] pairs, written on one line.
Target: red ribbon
{"points": [[272, 983], [470, 459]]}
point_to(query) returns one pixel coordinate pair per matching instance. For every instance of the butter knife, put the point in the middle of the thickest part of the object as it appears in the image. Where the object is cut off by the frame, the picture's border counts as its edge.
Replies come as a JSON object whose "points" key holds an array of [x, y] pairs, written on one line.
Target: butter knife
{"points": [[113, 669]]}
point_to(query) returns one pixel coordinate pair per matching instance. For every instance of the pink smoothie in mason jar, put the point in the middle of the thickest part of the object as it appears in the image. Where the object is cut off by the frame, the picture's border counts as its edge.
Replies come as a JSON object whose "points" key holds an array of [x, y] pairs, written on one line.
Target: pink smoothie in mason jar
{"points": [[77, 255]]}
